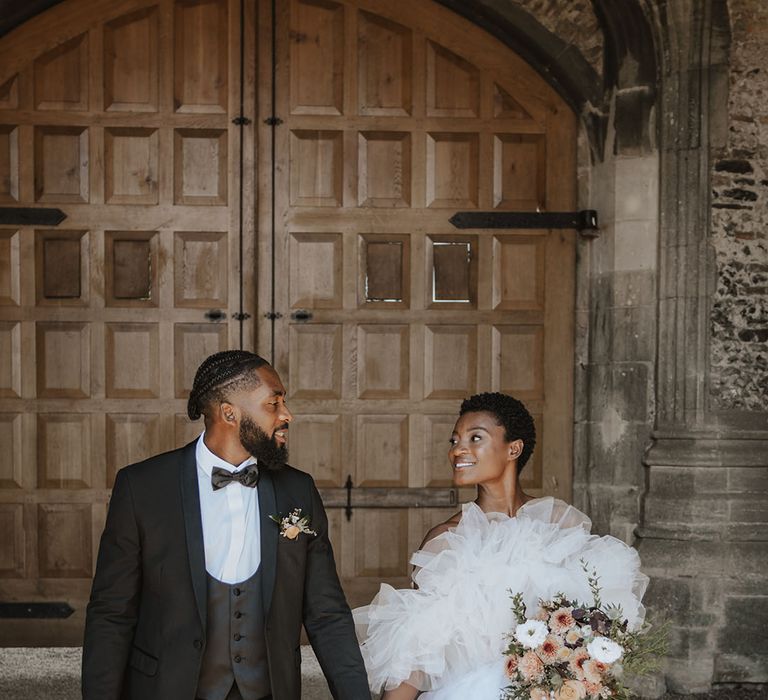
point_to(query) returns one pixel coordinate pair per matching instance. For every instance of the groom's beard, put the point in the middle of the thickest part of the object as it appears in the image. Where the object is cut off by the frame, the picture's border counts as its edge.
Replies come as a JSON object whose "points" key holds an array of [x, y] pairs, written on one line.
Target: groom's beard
{"points": [[262, 446]]}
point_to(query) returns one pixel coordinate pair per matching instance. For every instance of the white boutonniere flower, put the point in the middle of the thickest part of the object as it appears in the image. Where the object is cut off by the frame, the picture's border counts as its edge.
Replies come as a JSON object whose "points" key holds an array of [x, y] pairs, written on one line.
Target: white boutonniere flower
{"points": [[293, 524]]}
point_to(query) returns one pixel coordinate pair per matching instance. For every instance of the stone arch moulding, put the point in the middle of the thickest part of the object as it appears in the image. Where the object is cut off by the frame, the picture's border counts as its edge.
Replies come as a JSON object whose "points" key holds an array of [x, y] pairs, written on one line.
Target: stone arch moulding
{"points": [[628, 70]]}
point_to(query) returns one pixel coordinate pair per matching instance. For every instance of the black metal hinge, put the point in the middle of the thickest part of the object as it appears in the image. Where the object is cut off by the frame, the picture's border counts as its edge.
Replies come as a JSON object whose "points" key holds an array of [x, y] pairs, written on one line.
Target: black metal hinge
{"points": [[35, 611], [584, 220], [273, 315], [241, 121], [273, 121], [31, 216], [241, 316]]}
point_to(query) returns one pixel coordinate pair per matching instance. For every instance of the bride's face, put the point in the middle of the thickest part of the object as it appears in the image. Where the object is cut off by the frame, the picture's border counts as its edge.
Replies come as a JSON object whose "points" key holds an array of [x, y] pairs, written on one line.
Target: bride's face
{"points": [[479, 451]]}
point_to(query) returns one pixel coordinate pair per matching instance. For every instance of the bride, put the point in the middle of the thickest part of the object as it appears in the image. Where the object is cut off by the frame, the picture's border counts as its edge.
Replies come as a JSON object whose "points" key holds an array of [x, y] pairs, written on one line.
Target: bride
{"points": [[444, 639]]}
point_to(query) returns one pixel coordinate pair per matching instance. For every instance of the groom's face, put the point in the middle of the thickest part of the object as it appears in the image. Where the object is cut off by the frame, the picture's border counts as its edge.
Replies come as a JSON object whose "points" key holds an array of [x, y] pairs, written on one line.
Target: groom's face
{"points": [[264, 418]]}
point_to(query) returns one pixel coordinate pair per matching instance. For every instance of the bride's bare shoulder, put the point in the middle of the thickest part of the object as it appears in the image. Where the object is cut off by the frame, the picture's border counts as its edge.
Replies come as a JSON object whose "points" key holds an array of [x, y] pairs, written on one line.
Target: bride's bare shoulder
{"points": [[449, 524]]}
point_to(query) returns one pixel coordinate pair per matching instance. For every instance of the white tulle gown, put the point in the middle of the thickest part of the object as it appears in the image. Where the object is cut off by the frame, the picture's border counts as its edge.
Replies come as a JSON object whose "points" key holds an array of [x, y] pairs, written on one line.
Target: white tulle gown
{"points": [[447, 636]]}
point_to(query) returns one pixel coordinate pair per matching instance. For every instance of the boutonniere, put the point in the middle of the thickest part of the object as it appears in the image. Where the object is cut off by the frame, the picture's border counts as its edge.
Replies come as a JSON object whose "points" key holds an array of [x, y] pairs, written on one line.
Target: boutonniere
{"points": [[293, 524]]}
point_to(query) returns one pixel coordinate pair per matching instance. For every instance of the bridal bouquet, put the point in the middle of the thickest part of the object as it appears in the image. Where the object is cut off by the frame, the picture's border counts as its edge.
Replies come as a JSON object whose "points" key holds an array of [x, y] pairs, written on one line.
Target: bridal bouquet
{"points": [[571, 651]]}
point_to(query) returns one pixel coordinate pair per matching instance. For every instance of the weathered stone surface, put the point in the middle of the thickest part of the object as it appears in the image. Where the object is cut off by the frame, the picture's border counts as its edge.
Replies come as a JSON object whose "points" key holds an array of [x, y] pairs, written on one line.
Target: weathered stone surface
{"points": [[746, 620], [739, 319], [574, 23]]}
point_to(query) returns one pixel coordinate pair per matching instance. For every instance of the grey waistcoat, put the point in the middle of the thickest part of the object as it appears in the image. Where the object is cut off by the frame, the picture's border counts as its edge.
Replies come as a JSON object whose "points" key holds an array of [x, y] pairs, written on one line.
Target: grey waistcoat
{"points": [[236, 648]]}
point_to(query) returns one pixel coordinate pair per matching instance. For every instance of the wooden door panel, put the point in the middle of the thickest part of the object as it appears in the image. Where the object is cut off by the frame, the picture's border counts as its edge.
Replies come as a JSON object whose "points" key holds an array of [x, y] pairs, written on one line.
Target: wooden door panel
{"points": [[131, 62], [9, 164], [317, 57], [61, 76], [201, 60], [385, 66], [453, 84], [394, 117], [12, 555], [131, 165], [11, 466], [120, 114]]}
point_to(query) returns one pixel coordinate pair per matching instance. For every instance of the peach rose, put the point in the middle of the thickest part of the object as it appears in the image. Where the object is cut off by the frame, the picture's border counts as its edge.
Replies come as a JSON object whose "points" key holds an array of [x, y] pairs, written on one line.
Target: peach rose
{"points": [[594, 670], [539, 694], [563, 655], [571, 690], [511, 667], [531, 668], [291, 532]]}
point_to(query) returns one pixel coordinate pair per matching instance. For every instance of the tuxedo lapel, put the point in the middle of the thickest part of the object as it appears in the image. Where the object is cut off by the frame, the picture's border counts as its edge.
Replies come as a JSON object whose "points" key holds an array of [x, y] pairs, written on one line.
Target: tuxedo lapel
{"points": [[193, 524], [269, 535]]}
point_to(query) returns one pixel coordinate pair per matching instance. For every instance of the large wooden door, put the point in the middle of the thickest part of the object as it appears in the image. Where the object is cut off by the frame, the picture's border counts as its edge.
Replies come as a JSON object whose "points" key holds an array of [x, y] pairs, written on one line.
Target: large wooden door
{"points": [[118, 112], [392, 116]]}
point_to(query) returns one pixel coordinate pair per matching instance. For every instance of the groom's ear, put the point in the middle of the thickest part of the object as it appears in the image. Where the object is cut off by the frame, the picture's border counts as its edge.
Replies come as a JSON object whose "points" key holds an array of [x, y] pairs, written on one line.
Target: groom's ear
{"points": [[227, 412]]}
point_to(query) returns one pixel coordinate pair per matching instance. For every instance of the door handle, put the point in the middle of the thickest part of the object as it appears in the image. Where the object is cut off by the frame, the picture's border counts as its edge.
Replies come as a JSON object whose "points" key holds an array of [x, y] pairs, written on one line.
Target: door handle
{"points": [[301, 315]]}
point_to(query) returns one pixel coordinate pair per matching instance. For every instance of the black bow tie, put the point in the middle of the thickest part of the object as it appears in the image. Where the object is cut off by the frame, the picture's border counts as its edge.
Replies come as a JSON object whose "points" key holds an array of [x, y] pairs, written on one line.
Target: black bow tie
{"points": [[249, 476]]}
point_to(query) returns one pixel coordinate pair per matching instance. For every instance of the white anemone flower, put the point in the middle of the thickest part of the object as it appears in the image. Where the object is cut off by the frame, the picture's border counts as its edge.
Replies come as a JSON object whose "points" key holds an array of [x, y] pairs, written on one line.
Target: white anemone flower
{"points": [[531, 633], [604, 650]]}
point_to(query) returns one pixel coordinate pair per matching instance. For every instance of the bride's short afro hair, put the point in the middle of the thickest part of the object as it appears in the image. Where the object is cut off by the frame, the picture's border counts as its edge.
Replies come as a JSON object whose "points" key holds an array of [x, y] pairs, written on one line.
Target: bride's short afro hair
{"points": [[509, 413]]}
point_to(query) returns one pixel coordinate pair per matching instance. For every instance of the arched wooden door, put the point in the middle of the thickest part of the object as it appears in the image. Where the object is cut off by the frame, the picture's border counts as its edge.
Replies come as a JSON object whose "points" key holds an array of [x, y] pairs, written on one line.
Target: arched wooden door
{"points": [[393, 116], [130, 116], [119, 113]]}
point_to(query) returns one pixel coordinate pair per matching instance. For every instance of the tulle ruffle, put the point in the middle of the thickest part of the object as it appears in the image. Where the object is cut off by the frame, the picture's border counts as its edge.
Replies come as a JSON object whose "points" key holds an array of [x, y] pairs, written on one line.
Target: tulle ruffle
{"points": [[455, 622]]}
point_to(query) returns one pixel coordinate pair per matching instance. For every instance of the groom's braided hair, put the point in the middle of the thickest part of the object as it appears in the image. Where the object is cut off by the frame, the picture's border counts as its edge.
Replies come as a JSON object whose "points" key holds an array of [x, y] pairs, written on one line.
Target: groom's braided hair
{"points": [[219, 374], [509, 413]]}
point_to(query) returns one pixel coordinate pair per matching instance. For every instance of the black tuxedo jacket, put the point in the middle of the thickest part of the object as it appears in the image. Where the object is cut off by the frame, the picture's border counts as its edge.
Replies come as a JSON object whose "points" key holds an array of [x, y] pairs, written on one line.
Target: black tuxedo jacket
{"points": [[146, 620]]}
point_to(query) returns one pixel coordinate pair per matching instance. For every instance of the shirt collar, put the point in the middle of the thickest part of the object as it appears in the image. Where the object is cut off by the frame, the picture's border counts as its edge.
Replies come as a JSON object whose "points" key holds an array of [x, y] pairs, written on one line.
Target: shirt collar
{"points": [[207, 460]]}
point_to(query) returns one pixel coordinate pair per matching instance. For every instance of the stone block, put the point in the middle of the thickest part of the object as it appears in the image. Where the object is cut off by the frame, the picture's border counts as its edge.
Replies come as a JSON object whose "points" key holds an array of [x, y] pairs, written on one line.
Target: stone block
{"points": [[744, 631], [620, 391], [623, 334], [756, 532], [735, 668], [690, 674], [670, 481], [635, 245], [616, 447], [637, 188], [648, 687], [691, 513], [748, 480], [634, 288]]}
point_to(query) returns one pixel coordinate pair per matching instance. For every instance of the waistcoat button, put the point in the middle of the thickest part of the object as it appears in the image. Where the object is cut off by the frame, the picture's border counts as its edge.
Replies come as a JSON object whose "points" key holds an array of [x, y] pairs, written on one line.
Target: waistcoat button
{"points": [[198, 644], [238, 615], [237, 637], [236, 591], [237, 659]]}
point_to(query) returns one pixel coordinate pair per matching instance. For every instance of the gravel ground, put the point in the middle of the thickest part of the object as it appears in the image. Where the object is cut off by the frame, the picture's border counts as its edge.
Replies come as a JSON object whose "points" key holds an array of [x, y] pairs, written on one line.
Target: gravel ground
{"points": [[54, 674]]}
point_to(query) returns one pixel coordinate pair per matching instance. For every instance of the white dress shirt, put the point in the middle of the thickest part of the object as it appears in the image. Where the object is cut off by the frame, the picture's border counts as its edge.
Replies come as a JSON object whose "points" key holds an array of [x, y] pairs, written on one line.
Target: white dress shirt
{"points": [[230, 515]]}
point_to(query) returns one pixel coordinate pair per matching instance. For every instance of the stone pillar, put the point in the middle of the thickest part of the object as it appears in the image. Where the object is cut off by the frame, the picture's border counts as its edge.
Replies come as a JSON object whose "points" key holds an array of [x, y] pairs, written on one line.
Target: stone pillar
{"points": [[704, 531]]}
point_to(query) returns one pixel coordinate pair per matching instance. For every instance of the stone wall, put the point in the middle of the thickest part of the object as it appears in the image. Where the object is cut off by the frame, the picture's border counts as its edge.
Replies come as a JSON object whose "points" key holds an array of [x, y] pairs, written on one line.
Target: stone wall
{"points": [[739, 349]]}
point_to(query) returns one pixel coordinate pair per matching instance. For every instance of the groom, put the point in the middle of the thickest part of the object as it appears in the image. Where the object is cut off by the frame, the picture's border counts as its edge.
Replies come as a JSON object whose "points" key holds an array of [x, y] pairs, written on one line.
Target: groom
{"points": [[198, 592]]}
